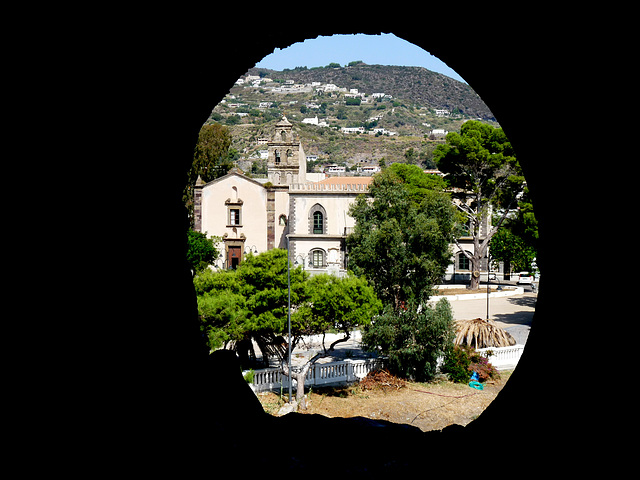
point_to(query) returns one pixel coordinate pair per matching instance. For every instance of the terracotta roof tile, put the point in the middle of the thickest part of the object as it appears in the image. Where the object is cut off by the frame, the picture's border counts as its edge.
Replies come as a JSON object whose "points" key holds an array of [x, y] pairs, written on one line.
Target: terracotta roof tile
{"points": [[346, 181]]}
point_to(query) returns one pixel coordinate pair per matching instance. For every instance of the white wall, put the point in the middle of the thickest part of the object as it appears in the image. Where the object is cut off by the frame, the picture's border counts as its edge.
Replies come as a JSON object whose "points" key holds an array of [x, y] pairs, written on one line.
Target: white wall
{"points": [[336, 206], [254, 210], [282, 208]]}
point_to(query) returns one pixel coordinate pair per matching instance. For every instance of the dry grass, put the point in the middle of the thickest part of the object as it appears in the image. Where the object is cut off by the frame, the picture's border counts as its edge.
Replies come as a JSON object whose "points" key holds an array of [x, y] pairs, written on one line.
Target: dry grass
{"points": [[429, 406]]}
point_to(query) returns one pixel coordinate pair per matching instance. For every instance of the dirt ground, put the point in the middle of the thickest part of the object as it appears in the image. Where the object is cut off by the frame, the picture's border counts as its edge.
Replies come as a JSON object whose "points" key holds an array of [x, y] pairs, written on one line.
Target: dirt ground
{"points": [[429, 406]]}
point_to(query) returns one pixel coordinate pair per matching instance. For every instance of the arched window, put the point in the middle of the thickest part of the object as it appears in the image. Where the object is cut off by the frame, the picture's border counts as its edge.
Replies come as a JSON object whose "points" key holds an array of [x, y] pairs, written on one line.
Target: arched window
{"points": [[283, 134], [317, 258], [463, 262], [317, 220], [277, 157]]}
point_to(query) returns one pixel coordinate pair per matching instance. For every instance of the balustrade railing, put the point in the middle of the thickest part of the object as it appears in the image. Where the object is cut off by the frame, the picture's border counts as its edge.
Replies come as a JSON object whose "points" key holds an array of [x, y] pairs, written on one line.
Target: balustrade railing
{"points": [[503, 358], [320, 374]]}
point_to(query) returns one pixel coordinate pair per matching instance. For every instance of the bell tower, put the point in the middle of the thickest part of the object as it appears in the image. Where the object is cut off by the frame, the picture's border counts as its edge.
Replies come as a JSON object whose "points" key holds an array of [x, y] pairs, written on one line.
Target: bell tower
{"points": [[287, 163]]}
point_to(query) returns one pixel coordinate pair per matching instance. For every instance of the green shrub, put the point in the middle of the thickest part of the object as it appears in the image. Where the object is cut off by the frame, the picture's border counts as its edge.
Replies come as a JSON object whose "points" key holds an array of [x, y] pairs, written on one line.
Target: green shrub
{"points": [[411, 339], [461, 361], [248, 377], [456, 364]]}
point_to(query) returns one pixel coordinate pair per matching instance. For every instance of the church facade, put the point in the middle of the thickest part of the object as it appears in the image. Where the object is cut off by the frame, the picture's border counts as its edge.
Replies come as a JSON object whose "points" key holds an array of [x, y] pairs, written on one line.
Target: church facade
{"points": [[254, 216]]}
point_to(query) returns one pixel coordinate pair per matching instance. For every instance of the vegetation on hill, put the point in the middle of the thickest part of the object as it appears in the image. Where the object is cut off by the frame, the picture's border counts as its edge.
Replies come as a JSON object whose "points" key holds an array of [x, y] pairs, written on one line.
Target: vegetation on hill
{"points": [[414, 84], [407, 113]]}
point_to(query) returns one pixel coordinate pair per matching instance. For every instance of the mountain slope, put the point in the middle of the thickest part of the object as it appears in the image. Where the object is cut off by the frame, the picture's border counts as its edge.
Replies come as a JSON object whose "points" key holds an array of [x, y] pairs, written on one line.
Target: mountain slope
{"points": [[414, 84]]}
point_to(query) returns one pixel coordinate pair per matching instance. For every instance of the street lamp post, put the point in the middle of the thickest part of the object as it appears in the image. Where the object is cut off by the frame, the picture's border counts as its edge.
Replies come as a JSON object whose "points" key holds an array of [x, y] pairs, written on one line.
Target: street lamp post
{"points": [[488, 278], [489, 282], [289, 314]]}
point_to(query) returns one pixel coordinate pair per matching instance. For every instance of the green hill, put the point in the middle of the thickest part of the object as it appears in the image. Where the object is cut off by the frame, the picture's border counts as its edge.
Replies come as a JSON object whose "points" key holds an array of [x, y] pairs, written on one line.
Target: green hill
{"points": [[414, 84], [407, 113]]}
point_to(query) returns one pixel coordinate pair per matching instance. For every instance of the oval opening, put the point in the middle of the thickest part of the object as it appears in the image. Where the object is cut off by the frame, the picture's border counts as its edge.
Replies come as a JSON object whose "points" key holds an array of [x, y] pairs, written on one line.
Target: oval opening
{"points": [[312, 135]]}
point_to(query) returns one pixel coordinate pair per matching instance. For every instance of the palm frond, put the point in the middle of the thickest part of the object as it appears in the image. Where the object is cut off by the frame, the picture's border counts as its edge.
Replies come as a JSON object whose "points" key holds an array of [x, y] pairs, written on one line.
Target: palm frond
{"points": [[481, 333]]}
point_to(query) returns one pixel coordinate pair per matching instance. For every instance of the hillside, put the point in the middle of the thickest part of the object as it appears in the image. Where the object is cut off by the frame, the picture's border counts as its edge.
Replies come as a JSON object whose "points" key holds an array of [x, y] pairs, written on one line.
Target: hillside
{"points": [[396, 113], [415, 84]]}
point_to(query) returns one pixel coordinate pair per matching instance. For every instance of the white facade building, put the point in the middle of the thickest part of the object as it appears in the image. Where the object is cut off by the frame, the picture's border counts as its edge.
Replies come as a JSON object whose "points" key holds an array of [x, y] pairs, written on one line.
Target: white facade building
{"points": [[313, 214], [352, 129], [256, 217]]}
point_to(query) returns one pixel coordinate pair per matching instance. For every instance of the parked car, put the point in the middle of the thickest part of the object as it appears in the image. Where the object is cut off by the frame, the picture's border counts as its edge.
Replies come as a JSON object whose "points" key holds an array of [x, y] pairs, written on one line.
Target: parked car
{"points": [[525, 278]]}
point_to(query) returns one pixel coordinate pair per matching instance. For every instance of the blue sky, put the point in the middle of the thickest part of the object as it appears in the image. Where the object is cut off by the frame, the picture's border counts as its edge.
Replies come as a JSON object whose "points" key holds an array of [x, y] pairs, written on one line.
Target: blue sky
{"points": [[384, 49]]}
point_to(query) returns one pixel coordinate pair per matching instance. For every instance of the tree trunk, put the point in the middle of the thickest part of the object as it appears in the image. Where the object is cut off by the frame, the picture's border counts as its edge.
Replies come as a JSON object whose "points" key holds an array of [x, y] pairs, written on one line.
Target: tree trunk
{"points": [[475, 281], [302, 404], [476, 261], [299, 380], [300, 389]]}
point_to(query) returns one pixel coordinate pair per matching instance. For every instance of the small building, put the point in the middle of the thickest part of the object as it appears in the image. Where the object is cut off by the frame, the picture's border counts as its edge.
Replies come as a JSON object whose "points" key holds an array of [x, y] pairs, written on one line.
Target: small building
{"points": [[352, 129], [336, 169], [369, 169], [439, 132]]}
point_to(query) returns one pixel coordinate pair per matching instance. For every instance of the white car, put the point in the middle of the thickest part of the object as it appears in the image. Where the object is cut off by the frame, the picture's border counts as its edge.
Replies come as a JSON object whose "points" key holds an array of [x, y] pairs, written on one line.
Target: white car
{"points": [[525, 278]]}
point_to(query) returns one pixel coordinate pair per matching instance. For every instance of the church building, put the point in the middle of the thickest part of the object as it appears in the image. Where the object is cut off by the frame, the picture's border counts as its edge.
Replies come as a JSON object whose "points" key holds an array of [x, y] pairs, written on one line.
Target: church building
{"points": [[252, 216], [256, 215]]}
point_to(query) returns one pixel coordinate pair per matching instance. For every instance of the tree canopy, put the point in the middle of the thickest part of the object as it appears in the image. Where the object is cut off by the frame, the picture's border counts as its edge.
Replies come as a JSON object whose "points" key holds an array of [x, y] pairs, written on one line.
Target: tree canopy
{"points": [[400, 242], [250, 303], [211, 159], [480, 159], [341, 304], [415, 181], [201, 250], [482, 172], [516, 243]]}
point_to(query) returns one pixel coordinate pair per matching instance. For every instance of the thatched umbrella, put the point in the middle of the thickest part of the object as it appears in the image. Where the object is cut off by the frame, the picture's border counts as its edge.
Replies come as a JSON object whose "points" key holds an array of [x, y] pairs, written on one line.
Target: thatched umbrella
{"points": [[480, 333]]}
